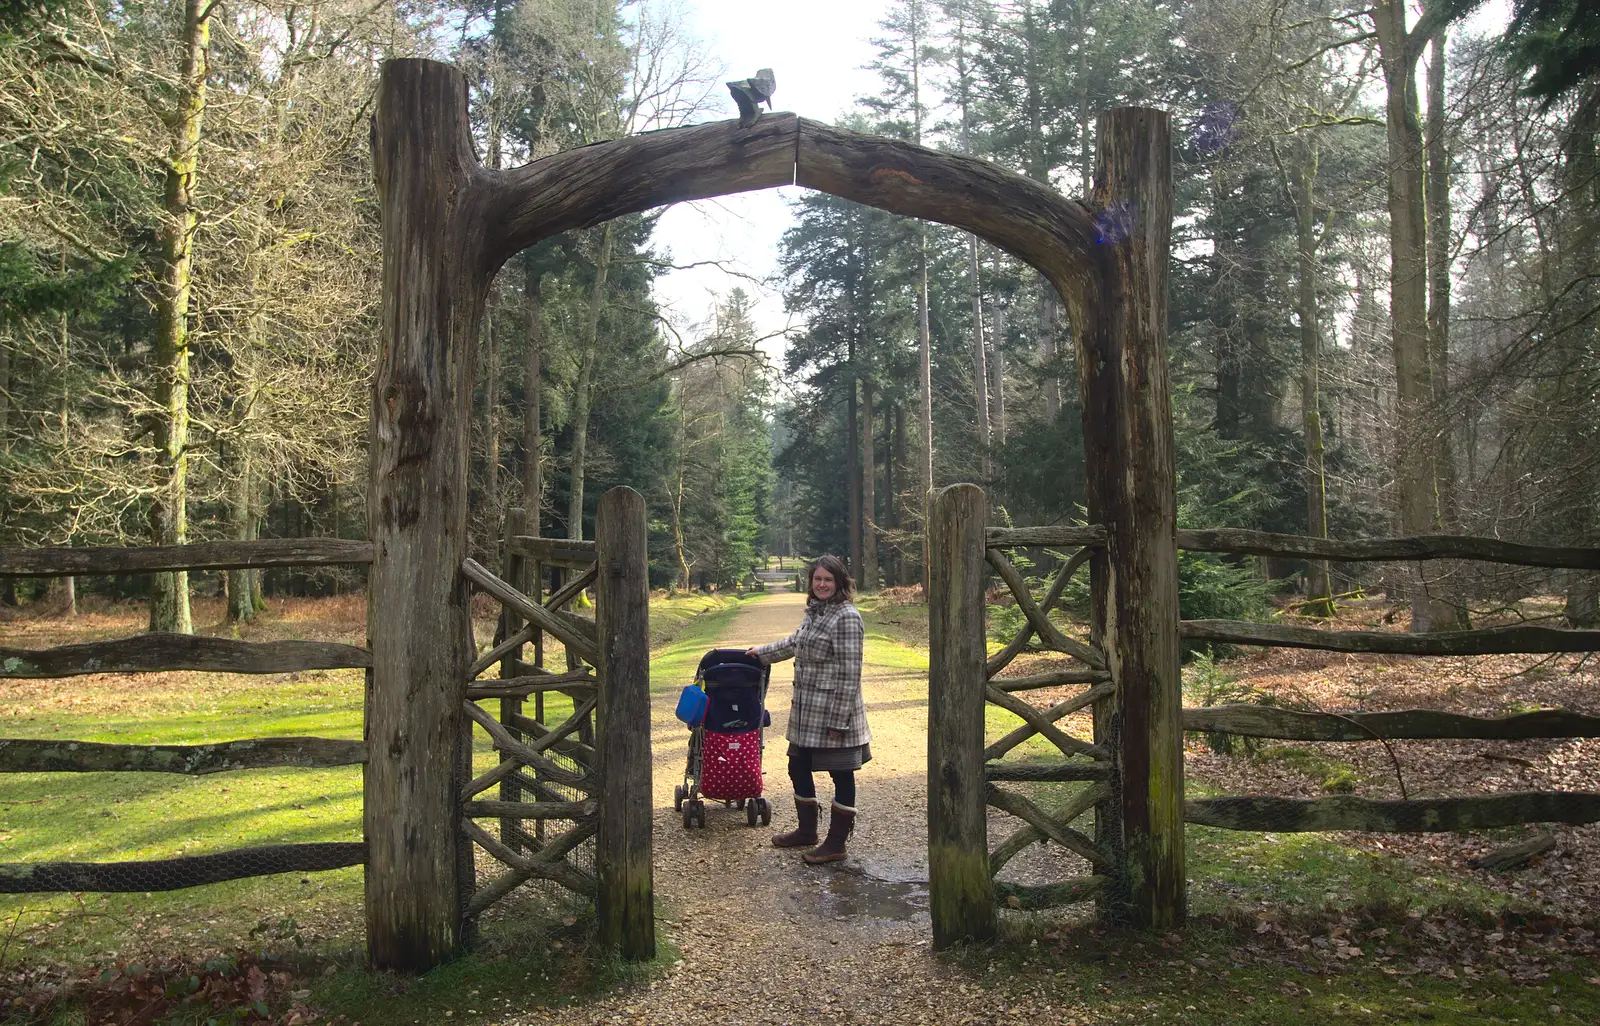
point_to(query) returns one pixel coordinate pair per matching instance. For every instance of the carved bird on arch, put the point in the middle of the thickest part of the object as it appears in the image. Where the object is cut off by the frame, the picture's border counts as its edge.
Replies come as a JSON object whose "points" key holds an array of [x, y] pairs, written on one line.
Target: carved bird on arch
{"points": [[751, 93]]}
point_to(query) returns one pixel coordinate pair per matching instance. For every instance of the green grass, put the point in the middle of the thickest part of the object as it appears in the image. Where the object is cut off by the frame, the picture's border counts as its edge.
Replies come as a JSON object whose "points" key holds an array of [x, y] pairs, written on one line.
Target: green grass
{"points": [[1208, 976], [109, 817]]}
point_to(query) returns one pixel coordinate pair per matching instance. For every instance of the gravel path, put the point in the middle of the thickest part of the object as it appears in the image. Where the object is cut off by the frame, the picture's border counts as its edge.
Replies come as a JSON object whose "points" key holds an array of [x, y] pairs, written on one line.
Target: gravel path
{"points": [[766, 939]]}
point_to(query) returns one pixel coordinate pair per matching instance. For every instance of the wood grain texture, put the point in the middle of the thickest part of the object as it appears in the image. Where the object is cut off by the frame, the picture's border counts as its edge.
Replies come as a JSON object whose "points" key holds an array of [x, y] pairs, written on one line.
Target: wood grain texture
{"points": [[1298, 725], [1026, 810], [1098, 693], [219, 555], [1027, 834], [1063, 536], [418, 618], [175, 874], [152, 653], [1528, 638], [1430, 546], [19, 755], [1038, 722], [1048, 770], [1052, 679], [572, 631], [1427, 815], [1048, 632], [960, 888], [1132, 492], [625, 906], [586, 186]]}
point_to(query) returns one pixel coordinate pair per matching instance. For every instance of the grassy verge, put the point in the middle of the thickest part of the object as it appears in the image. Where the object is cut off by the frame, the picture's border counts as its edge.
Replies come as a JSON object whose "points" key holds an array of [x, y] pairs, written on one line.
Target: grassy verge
{"points": [[289, 925], [1285, 926]]}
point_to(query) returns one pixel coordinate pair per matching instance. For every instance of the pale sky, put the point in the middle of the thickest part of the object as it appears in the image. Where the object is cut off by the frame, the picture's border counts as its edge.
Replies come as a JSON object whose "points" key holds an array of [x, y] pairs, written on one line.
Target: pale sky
{"points": [[816, 50]]}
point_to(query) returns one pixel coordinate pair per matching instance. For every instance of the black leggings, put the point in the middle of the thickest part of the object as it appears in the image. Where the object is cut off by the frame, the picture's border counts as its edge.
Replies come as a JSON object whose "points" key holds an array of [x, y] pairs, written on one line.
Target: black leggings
{"points": [[805, 786]]}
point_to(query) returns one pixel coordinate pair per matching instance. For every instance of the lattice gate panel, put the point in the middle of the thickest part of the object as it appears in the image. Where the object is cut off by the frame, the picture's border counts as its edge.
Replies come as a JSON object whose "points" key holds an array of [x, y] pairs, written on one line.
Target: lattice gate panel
{"points": [[540, 827], [1078, 760]]}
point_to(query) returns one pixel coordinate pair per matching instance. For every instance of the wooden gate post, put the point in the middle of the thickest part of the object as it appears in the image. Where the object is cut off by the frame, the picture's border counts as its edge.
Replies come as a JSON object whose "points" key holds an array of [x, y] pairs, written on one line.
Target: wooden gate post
{"points": [[418, 619], [960, 888], [626, 902], [1127, 417]]}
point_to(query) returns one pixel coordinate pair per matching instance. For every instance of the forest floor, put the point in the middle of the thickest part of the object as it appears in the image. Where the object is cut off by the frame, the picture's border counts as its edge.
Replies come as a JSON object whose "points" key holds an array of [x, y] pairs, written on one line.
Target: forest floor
{"points": [[1346, 927]]}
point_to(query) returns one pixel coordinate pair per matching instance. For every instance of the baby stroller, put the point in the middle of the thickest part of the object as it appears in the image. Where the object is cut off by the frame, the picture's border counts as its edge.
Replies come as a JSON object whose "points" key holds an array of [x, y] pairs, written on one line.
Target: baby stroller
{"points": [[726, 709]]}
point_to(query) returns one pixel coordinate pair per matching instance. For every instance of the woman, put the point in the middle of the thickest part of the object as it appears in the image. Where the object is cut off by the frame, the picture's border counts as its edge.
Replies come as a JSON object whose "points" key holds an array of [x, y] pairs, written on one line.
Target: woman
{"points": [[827, 716]]}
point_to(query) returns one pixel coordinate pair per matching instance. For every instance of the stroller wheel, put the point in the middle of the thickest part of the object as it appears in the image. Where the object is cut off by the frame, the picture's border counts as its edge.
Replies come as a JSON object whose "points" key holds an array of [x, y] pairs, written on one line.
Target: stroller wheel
{"points": [[766, 812], [739, 804], [677, 798], [752, 814], [688, 815], [700, 813]]}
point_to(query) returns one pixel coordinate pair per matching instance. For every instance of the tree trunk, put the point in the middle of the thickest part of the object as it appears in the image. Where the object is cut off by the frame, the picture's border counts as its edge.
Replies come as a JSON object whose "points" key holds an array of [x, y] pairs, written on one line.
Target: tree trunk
{"points": [[241, 584], [980, 361], [924, 376], [582, 392], [532, 397], [869, 473], [924, 334], [853, 471], [169, 517], [1049, 349], [1437, 196], [1319, 582], [892, 472], [997, 365], [491, 406], [1416, 454], [1437, 199]]}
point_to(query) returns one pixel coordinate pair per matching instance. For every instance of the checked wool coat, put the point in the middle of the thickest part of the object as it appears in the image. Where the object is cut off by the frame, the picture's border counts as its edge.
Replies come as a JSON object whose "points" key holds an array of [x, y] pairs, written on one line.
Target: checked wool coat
{"points": [[827, 710]]}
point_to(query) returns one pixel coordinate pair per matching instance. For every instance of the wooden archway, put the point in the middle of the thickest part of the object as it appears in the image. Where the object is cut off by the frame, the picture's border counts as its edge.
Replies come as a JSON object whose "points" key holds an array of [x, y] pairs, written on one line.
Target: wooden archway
{"points": [[449, 224]]}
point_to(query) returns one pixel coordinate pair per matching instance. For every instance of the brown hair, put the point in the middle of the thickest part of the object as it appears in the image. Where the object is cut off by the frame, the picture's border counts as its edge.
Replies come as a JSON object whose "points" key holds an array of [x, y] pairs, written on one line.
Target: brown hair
{"points": [[844, 587]]}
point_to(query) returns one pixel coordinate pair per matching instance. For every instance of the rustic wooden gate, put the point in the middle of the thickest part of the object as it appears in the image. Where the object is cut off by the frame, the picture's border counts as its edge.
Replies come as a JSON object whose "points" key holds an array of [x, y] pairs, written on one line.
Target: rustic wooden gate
{"points": [[449, 224], [576, 764]]}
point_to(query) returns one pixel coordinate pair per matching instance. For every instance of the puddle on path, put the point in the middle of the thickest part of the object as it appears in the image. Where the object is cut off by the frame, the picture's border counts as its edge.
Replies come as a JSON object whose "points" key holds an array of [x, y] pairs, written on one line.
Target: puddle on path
{"points": [[856, 891]]}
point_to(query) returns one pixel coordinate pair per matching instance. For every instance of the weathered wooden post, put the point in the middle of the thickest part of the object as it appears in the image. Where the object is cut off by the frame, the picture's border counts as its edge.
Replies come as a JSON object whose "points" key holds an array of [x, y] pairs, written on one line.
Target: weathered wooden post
{"points": [[1127, 418], [626, 902], [418, 619], [960, 888]]}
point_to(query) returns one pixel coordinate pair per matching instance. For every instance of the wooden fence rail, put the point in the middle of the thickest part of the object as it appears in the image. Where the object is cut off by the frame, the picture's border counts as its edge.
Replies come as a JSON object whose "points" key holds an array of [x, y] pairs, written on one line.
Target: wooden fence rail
{"points": [[175, 874], [1424, 815], [19, 755], [1432, 546], [1299, 725], [219, 555], [1090, 536], [149, 653], [569, 553], [1520, 638]]}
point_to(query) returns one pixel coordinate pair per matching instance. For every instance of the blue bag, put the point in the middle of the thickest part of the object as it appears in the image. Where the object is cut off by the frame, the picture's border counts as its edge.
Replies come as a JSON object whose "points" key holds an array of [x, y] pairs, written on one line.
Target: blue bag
{"points": [[691, 705]]}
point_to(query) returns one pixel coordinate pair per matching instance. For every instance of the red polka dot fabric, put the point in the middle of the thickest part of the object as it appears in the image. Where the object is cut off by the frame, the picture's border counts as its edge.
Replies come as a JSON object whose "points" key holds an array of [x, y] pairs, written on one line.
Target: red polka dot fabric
{"points": [[730, 765]]}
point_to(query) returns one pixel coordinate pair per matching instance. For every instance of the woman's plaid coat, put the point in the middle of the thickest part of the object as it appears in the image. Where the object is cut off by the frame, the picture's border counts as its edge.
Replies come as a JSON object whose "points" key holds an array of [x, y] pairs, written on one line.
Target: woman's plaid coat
{"points": [[827, 710]]}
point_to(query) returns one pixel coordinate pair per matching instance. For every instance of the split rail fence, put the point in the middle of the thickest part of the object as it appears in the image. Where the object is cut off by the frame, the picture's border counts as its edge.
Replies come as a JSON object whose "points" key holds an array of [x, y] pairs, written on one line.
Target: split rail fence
{"points": [[964, 680], [156, 652], [583, 780]]}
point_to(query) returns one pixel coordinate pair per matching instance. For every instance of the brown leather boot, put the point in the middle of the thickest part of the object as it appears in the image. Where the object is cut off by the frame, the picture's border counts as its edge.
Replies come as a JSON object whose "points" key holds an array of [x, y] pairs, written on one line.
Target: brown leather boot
{"points": [[806, 832], [841, 820]]}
